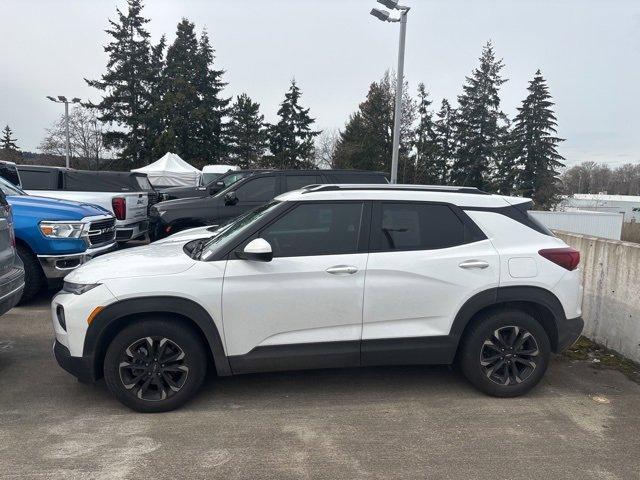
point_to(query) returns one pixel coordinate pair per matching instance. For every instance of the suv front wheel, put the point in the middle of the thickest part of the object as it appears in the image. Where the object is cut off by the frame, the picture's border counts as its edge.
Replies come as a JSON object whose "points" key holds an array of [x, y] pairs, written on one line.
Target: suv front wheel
{"points": [[155, 365], [505, 353]]}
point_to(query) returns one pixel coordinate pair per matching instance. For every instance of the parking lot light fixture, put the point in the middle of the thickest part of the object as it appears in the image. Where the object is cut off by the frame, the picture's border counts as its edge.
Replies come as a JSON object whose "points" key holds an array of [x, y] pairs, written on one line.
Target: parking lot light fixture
{"points": [[385, 16], [63, 99]]}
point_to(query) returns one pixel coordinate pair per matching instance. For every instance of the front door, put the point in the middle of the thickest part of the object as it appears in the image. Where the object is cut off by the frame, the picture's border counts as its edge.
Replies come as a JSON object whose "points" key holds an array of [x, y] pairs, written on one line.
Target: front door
{"points": [[303, 309]]}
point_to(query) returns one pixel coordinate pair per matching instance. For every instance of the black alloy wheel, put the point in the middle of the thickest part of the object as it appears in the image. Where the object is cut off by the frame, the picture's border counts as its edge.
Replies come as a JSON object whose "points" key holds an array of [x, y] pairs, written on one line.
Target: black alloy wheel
{"points": [[155, 364], [153, 368], [509, 355], [504, 352]]}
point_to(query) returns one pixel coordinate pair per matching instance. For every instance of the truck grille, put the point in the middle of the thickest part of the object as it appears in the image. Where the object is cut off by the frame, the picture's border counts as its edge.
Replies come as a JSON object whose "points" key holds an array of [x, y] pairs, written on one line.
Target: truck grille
{"points": [[102, 232]]}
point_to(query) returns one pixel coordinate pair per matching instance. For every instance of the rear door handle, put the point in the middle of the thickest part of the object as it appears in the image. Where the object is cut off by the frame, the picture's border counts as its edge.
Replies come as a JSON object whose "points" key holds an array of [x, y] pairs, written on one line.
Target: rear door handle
{"points": [[469, 264], [342, 270]]}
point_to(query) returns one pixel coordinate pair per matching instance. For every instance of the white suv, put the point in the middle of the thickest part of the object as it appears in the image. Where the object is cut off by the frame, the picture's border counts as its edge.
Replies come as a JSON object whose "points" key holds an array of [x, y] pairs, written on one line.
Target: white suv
{"points": [[328, 276]]}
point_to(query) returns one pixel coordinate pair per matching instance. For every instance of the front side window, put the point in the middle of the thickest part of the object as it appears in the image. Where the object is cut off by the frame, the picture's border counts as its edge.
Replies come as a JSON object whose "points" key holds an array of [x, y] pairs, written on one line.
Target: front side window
{"points": [[316, 229], [417, 226], [257, 190], [234, 229], [39, 179]]}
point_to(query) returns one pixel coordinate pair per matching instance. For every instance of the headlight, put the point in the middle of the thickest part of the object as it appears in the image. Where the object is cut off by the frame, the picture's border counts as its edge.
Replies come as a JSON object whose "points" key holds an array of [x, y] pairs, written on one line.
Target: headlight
{"points": [[62, 229], [78, 288]]}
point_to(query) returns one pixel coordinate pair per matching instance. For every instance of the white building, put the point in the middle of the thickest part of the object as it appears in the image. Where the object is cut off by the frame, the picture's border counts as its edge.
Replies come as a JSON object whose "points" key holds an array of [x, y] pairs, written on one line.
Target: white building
{"points": [[628, 205]]}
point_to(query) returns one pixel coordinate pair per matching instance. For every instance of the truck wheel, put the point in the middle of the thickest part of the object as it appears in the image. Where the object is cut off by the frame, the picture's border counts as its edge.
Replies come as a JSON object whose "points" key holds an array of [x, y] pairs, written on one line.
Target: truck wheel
{"points": [[33, 277], [505, 353], [155, 365]]}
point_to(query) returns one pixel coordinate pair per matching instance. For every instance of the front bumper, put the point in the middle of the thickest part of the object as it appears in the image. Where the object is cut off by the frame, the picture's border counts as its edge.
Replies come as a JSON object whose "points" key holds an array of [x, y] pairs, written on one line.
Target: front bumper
{"points": [[569, 331], [58, 266], [131, 231], [79, 367]]}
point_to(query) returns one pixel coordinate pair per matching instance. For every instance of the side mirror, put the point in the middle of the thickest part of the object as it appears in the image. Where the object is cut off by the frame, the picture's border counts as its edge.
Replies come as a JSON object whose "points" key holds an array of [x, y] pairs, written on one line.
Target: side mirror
{"points": [[215, 188], [230, 198], [258, 250]]}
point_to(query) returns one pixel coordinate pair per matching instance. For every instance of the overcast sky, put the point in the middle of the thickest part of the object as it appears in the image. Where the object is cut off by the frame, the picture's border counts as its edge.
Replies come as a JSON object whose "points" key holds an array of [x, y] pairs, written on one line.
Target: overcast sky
{"points": [[589, 51]]}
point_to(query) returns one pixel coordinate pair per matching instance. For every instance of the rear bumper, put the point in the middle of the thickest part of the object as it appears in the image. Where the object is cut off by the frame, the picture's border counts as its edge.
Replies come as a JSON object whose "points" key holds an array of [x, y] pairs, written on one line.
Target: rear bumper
{"points": [[79, 367], [58, 266], [11, 289], [568, 332]]}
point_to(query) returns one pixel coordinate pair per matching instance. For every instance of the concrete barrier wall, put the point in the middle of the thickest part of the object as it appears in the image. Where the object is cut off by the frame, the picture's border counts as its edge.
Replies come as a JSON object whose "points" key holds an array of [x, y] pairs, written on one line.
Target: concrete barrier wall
{"points": [[611, 279]]}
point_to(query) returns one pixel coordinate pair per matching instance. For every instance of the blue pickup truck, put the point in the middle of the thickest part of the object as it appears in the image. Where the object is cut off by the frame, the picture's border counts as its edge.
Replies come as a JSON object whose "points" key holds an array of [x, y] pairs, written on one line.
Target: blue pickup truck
{"points": [[55, 236]]}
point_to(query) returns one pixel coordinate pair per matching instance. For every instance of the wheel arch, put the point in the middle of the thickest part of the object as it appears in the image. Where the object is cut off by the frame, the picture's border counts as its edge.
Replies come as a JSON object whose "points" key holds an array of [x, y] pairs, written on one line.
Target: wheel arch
{"points": [[113, 318], [540, 303]]}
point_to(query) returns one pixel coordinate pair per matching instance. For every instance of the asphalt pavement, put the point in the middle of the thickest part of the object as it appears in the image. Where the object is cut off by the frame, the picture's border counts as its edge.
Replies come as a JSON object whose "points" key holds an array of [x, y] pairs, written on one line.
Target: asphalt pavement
{"points": [[581, 422]]}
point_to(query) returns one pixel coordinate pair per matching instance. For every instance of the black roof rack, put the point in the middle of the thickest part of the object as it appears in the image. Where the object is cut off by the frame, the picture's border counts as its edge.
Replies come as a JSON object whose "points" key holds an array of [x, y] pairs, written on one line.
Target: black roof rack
{"points": [[410, 188]]}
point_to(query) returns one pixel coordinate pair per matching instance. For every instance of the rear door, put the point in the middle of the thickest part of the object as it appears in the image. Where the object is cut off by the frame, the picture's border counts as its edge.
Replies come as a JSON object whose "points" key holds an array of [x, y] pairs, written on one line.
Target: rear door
{"points": [[426, 260]]}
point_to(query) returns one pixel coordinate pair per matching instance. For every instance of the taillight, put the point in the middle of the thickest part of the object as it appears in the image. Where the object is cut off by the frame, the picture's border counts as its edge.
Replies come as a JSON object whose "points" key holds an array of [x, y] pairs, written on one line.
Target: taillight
{"points": [[567, 257], [119, 205], [12, 233]]}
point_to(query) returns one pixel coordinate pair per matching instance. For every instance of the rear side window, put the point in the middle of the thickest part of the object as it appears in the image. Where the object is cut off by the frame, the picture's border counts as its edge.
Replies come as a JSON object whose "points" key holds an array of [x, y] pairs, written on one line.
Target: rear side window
{"points": [[416, 226], [257, 190], [316, 229], [39, 179], [294, 182]]}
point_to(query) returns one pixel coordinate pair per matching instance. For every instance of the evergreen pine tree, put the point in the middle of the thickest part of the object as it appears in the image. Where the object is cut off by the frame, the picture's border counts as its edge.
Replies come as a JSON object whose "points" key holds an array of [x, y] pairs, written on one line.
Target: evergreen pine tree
{"points": [[536, 146], [214, 107], [7, 142], [191, 109], [428, 169], [154, 124], [444, 130], [367, 140], [125, 103], [480, 124], [291, 139], [247, 134]]}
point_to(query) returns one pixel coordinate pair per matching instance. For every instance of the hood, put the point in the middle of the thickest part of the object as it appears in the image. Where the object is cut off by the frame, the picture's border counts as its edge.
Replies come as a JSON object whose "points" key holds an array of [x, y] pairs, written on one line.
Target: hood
{"points": [[190, 234], [181, 203], [146, 261], [53, 208]]}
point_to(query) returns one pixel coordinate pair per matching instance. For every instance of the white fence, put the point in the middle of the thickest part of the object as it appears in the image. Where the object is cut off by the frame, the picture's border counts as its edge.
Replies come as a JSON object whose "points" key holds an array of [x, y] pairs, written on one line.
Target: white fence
{"points": [[596, 224]]}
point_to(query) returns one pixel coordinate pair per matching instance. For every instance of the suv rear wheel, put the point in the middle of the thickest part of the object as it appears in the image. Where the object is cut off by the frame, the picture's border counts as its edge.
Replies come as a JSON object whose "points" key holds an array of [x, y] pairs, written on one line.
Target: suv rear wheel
{"points": [[155, 365], [505, 353]]}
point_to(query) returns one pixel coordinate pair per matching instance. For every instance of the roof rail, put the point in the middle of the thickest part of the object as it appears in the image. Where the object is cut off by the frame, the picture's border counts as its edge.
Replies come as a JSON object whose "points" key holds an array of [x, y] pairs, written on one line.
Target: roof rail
{"points": [[412, 188]]}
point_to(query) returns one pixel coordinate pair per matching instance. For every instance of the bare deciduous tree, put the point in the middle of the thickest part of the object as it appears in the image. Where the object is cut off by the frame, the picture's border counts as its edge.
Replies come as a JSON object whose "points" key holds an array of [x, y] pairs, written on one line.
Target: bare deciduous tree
{"points": [[85, 138], [325, 148]]}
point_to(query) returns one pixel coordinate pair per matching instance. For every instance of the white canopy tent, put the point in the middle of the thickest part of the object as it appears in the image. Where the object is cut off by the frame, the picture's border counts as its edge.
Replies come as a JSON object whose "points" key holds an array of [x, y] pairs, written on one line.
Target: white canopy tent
{"points": [[171, 171]]}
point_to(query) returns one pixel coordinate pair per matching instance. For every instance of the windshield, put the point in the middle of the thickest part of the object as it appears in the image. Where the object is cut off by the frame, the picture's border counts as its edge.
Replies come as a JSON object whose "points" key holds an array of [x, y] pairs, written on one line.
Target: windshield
{"points": [[9, 189], [233, 229], [207, 178]]}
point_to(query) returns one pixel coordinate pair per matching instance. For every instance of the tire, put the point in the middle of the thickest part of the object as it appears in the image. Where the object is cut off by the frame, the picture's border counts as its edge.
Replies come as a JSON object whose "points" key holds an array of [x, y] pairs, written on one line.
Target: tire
{"points": [[34, 279], [174, 382], [505, 353]]}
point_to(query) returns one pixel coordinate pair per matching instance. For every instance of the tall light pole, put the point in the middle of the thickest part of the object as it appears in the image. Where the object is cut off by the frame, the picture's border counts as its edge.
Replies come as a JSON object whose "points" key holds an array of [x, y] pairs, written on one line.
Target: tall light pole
{"points": [[385, 16], [63, 99]]}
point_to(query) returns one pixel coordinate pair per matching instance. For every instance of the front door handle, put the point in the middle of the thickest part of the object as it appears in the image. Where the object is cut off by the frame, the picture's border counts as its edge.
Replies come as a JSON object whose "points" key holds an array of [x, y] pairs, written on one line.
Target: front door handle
{"points": [[342, 270], [469, 264]]}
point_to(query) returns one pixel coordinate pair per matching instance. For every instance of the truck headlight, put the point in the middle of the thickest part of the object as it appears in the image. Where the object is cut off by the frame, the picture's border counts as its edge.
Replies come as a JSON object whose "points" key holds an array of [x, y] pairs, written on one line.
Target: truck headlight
{"points": [[78, 288], [62, 229]]}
